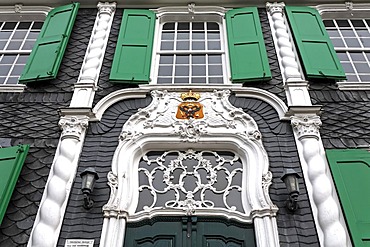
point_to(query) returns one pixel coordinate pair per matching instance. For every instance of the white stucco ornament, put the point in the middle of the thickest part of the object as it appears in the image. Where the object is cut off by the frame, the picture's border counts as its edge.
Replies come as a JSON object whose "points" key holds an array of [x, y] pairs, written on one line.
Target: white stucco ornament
{"points": [[223, 128]]}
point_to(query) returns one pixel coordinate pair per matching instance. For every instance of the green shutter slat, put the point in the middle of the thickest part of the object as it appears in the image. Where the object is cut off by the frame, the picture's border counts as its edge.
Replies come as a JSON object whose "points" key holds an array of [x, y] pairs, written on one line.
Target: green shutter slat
{"points": [[47, 54], [351, 173], [316, 51], [247, 52], [133, 55], [11, 162]]}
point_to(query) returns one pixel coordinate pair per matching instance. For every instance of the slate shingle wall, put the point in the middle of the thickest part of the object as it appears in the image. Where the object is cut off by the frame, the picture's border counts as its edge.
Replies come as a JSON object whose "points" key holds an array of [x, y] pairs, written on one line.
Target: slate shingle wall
{"points": [[345, 118], [32, 118], [296, 229], [100, 143]]}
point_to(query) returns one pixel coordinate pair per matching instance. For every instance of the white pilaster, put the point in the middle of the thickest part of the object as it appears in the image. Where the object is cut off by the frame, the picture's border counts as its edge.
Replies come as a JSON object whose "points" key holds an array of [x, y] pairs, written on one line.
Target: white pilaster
{"points": [[324, 202], [293, 78], [89, 75], [74, 122], [49, 218]]}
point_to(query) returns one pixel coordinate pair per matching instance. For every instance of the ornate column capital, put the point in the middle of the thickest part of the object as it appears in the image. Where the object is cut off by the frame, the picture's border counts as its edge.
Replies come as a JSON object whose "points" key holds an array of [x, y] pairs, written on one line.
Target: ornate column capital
{"points": [[306, 126], [106, 8], [275, 7], [73, 127]]}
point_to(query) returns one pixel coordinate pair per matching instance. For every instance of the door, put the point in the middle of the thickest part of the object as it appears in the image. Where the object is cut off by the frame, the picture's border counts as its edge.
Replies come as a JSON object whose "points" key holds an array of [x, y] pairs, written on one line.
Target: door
{"points": [[189, 232]]}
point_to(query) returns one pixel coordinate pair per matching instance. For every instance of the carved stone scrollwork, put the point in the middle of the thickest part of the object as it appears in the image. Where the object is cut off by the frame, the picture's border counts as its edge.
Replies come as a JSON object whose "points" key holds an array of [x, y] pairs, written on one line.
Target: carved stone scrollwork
{"points": [[306, 126], [113, 202]]}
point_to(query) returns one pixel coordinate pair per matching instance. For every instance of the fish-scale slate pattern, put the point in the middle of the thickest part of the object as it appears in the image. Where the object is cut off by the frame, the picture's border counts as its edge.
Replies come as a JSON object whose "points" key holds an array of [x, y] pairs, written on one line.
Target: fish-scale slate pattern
{"points": [[296, 229], [35, 124], [345, 117], [275, 85], [100, 143], [32, 118]]}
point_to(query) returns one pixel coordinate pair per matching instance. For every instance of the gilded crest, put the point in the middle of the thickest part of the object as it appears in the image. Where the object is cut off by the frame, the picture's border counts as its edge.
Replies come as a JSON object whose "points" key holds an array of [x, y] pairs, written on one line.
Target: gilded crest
{"points": [[190, 107]]}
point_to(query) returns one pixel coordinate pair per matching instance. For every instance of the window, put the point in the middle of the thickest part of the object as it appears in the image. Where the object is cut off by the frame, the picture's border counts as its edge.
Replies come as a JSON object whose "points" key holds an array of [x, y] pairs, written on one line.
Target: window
{"points": [[190, 45], [191, 51], [350, 169], [349, 30], [19, 29], [16, 41], [351, 39]]}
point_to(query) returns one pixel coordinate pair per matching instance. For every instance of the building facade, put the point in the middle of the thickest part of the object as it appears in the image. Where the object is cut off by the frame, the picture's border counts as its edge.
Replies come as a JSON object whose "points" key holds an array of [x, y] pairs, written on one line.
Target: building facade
{"points": [[191, 114]]}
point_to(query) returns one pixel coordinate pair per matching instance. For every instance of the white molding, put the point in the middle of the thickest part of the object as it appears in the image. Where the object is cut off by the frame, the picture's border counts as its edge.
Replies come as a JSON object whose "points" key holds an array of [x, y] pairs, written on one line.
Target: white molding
{"points": [[48, 222], [223, 127], [293, 77], [141, 92], [12, 88], [86, 85], [20, 10]]}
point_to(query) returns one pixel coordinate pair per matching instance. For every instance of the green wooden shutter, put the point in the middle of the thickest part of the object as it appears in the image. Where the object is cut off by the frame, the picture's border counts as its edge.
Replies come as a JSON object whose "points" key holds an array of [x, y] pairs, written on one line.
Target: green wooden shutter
{"points": [[247, 52], [351, 173], [47, 54], [133, 53], [317, 53], [11, 162]]}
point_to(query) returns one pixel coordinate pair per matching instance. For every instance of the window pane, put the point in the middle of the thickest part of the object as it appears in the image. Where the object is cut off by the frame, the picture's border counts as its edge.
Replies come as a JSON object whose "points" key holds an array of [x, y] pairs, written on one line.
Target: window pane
{"points": [[181, 80], [215, 70], [167, 45], [168, 26], [343, 23], [181, 70], [168, 36], [37, 25], [217, 80], [199, 36], [166, 59], [4, 69], [182, 59], [214, 59], [358, 23], [198, 26], [165, 70], [8, 59], [198, 45], [19, 34], [182, 45], [214, 45], [352, 43], [212, 26], [9, 25], [198, 59], [357, 57], [14, 45], [329, 23], [198, 70], [24, 25], [162, 80], [362, 67], [183, 26], [183, 35]]}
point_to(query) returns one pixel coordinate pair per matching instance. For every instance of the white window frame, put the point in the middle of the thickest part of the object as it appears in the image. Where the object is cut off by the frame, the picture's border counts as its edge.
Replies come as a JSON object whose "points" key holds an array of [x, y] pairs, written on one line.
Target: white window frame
{"points": [[190, 13], [19, 12], [347, 11]]}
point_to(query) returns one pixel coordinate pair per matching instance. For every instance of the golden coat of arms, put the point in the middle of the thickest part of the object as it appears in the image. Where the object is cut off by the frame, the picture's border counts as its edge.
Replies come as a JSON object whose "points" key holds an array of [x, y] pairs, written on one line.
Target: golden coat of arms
{"points": [[190, 107]]}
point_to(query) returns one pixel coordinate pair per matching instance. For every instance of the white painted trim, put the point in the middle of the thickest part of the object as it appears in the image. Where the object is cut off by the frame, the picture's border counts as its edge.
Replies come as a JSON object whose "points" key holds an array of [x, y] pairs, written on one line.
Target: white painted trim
{"points": [[25, 10], [86, 84], [327, 213], [12, 88], [144, 90], [224, 127]]}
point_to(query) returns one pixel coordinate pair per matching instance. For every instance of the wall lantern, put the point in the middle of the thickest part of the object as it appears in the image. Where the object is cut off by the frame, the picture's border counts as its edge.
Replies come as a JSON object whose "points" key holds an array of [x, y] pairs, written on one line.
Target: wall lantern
{"points": [[290, 178], [89, 176]]}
